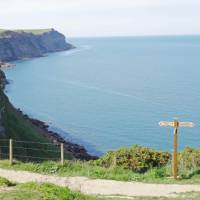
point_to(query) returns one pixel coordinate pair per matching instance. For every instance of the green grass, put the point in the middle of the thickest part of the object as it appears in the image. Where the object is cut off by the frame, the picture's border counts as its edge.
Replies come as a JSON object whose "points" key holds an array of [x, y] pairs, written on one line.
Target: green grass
{"points": [[45, 191], [50, 191], [4, 182], [183, 196], [80, 168], [33, 31]]}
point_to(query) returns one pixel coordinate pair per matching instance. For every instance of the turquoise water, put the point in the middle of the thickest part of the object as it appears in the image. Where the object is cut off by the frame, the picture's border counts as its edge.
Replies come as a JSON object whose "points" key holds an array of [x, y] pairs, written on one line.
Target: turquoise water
{"points": [[112, 92]]}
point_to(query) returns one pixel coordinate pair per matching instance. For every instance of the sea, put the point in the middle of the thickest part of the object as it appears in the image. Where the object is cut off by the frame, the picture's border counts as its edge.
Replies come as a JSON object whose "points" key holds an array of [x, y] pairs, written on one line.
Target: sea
{"points": [[112, 92]]}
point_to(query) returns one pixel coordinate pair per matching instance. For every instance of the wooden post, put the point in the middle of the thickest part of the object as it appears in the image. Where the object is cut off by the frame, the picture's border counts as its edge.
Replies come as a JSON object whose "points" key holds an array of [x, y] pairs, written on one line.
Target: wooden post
{"points": [[11, 151], [176, 124], [175, 163], [62, 153]]}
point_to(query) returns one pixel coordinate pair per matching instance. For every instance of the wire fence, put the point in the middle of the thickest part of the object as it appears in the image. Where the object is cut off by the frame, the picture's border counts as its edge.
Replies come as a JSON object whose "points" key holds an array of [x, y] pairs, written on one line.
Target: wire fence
{"points": [[31, 151]]}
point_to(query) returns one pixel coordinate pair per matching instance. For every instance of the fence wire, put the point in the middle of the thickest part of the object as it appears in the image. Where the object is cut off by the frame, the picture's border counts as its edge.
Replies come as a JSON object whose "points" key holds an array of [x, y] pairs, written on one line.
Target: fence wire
{"points": [[30, 151]]}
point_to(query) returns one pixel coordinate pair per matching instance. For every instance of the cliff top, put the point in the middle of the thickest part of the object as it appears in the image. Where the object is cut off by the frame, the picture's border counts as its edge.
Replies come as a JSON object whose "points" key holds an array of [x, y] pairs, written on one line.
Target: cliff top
{"points": [[33, 31]]}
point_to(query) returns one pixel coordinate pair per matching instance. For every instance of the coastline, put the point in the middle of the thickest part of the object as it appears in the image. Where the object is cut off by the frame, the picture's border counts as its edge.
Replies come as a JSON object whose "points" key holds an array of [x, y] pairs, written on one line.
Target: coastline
{"points": [[78, 151], [35, 45], [6, 64]]}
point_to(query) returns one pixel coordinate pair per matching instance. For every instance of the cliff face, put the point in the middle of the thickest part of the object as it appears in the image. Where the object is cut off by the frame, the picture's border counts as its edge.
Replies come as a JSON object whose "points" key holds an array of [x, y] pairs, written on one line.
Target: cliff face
{"points": [[15, 45]]}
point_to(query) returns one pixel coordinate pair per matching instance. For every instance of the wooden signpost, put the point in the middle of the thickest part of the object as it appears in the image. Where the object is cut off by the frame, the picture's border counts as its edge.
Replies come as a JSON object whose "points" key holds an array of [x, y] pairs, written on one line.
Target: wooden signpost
{"points": [[176, 124]]}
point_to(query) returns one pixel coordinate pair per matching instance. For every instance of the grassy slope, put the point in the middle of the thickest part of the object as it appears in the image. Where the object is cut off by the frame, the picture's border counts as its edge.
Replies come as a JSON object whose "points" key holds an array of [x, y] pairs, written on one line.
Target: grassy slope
{"points": [[16, 126]]}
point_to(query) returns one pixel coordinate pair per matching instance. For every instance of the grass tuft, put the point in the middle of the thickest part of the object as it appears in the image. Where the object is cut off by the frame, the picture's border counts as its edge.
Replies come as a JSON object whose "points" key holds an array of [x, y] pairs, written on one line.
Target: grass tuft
{"points": [[5, 182]]}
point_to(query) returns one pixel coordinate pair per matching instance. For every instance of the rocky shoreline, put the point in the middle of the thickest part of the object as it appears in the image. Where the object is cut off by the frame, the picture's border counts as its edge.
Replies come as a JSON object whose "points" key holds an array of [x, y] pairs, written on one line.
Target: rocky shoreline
{"points": [[2, 65], [78, 151]]}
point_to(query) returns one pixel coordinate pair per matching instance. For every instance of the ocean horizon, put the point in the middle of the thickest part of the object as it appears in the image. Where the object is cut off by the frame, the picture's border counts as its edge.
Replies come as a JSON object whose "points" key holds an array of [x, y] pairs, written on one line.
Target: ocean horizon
{"points": [[112, 92]]}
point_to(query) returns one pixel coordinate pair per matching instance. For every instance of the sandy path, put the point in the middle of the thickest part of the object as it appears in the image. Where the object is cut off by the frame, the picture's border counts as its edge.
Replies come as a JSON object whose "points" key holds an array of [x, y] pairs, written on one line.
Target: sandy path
{"points": [[100, 187]]}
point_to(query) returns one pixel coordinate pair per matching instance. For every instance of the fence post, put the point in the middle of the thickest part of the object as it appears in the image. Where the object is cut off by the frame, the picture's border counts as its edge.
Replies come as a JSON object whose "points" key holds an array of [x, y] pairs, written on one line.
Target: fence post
{"points": [[62, 153], [11, 151]]}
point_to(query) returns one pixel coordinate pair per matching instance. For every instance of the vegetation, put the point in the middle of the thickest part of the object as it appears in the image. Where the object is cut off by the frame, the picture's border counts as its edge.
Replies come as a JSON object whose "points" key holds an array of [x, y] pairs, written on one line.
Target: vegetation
{"points": [[48, 191], [183, 196], [33, 31], [189, 158], [5, 182], [137, 158], [88, 169], [45, 191]]}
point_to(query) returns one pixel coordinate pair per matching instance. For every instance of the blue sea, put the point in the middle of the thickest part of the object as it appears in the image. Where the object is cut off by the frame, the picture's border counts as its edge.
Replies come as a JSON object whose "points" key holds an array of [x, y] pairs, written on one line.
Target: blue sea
{"points": [[112, 92]]}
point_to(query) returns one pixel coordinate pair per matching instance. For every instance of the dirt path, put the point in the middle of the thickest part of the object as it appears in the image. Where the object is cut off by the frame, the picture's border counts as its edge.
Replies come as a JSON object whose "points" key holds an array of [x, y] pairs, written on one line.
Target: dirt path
{"points": [[100, 187], [5, 189]]}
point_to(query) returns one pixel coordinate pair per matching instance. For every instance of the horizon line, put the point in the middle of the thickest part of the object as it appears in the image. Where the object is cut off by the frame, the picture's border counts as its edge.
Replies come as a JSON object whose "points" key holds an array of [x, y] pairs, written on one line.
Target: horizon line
{"points": [[118, 36]]}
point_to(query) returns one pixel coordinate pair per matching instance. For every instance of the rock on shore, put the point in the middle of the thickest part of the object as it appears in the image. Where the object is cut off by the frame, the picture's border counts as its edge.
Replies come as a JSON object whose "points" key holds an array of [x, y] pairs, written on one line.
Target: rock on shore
{"points": [[78, 151]]}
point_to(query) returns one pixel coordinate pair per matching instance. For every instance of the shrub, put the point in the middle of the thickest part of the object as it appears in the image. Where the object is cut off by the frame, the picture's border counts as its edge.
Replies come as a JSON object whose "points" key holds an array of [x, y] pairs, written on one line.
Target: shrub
{"points": [[157, 173], [137, 158], [189, 158]]}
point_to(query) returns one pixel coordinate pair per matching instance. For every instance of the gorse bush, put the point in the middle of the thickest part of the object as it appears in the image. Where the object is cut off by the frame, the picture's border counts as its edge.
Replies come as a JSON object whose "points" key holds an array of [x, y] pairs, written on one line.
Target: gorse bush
{"points": [[189, 158], [137, 158]]}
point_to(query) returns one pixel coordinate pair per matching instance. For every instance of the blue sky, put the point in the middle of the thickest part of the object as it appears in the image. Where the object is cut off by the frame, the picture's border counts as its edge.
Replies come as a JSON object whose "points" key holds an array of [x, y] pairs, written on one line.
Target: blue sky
{"points": [[104, 17]]}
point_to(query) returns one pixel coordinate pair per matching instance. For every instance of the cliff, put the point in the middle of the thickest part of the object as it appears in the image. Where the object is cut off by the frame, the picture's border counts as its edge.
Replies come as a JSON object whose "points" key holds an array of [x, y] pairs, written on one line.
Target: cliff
{"points": [[21, 44]]}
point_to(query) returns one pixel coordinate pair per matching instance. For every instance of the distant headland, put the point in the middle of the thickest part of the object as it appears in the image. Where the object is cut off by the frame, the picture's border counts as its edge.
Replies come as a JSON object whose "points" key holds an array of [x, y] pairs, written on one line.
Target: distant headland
{"points": [[25, 44]]}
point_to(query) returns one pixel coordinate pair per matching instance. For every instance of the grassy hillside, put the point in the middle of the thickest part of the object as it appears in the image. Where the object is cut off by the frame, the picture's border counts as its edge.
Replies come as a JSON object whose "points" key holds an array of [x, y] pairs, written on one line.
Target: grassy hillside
{"points": [[16, 127]]}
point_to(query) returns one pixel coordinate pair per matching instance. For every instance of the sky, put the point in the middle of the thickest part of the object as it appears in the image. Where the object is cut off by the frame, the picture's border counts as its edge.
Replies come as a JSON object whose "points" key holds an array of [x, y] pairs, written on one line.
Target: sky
{"points": [[80, 18]]}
